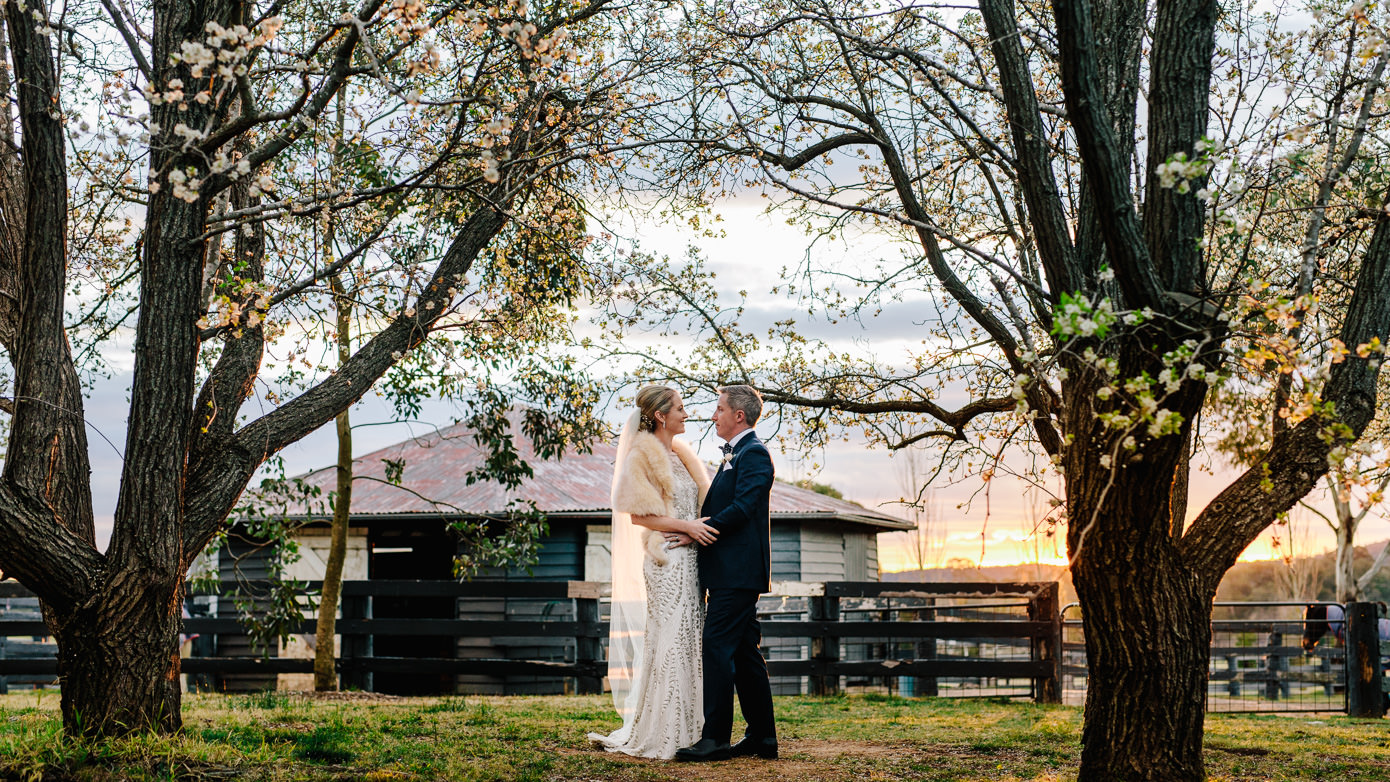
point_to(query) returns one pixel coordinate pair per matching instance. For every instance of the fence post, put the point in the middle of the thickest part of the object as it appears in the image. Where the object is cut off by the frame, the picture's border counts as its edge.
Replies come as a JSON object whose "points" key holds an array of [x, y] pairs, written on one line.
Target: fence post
{"points": [[1045, 606], [356, 646], [926, 650], [588, 648], [1364, 695], [1274, 664], [885, 615], [825, 649]]}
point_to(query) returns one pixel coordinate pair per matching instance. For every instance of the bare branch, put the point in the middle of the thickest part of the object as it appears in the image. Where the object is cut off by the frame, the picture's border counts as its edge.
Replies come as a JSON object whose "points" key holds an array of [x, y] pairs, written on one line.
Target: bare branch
{"points": [[1050, 229], [123, 26]]}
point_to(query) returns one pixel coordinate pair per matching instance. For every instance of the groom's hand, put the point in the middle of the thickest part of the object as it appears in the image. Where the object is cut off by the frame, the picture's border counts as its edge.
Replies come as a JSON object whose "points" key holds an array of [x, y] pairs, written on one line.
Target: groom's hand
{"points": [[710, 536], [701, 532]]}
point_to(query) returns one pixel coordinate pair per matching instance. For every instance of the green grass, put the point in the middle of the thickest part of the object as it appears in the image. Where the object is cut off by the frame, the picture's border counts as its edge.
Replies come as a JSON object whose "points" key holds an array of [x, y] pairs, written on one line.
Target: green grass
{"points": [[280, 737]]}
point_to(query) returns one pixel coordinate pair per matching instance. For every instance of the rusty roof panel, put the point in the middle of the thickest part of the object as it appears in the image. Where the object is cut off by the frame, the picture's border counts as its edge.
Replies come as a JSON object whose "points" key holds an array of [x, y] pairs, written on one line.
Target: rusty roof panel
{"points": [[436, 465]]}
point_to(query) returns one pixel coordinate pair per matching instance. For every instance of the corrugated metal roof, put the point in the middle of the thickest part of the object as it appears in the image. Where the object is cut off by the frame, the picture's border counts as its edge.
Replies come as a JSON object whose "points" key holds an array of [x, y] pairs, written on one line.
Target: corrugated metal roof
{"points": [[436, 466]]}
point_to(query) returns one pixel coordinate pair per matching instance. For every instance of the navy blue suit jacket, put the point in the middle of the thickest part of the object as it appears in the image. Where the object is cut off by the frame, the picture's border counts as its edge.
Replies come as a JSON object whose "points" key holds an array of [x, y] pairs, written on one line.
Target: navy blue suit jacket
{"points": [[737, 506]]}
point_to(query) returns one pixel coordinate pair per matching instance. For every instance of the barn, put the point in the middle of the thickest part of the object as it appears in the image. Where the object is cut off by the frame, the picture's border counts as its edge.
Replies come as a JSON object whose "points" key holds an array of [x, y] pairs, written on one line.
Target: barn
{"points": [[399, 529]]}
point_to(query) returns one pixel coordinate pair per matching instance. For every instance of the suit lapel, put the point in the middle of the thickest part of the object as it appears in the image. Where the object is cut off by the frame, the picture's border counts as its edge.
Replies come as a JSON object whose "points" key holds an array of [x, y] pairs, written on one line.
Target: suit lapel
{"points": [[733, 455], [738, 448]]}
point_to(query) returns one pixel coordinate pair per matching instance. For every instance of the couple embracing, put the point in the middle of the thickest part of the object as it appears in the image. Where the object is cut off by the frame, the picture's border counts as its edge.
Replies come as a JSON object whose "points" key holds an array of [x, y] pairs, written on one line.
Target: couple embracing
{"points": [[690, 557]]}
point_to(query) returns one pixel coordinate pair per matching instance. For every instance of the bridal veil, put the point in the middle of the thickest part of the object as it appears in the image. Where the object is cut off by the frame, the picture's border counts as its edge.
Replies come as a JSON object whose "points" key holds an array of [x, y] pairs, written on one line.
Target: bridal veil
{"points": [[627, 628]]}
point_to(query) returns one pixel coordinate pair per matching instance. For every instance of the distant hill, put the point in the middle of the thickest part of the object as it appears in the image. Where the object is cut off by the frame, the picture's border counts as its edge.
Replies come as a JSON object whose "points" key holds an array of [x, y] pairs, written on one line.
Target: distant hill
{"points": [[1268, 579], [1247, 581], [997, 574]]}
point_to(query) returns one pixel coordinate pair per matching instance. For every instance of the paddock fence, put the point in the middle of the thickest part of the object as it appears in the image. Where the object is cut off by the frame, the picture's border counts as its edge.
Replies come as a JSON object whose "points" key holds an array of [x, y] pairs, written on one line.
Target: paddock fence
{"points": [[949, 639], [1257, 663]]}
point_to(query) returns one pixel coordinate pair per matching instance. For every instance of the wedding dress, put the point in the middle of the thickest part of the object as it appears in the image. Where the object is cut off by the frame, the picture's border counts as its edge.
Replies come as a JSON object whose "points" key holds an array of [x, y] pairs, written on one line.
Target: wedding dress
{"points": [[666, 704]]}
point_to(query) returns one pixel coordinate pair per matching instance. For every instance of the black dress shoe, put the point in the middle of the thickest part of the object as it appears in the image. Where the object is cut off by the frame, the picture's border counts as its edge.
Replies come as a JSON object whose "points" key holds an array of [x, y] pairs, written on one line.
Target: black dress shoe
{"points": [[763, 748], [704, 750]]}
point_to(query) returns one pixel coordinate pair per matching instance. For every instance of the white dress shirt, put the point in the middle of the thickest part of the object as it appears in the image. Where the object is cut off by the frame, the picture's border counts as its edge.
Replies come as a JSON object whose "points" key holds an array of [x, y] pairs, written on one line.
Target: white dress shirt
{"points": [[734, 444]]}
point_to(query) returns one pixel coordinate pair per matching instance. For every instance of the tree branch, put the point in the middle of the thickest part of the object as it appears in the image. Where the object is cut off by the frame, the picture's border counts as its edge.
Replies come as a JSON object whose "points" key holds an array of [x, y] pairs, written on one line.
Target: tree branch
{"points": [[1297, 459], [319, 404], [956, 419], [244, 451], [796, 161], [1050, 229], [43, 555], [1106, 167], [1179, 94], [307, 110], [1336, 169], [47, 454], [132, 43]]}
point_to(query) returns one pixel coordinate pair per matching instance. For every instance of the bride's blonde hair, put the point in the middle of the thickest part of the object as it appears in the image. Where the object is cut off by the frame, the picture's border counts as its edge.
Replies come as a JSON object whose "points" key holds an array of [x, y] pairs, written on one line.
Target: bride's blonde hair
{"points": [[652, 400]]}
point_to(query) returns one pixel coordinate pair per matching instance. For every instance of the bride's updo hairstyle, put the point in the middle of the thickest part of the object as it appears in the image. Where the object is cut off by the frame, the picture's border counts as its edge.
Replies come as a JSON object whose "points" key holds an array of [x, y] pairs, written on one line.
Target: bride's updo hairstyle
{"points": [[652, 400]]}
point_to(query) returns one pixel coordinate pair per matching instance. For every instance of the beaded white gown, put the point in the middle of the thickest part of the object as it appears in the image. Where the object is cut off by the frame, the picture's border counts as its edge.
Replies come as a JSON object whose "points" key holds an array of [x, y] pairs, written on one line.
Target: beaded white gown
{"points": [[670, 705]]}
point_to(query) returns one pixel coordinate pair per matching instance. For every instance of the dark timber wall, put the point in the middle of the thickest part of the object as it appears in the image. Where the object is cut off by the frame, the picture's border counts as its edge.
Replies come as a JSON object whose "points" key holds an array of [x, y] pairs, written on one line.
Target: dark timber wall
{"points": [[561, 558]]}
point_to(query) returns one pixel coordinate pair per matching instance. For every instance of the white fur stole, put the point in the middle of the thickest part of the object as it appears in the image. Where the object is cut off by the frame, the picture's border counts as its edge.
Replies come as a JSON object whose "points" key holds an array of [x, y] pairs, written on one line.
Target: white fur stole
{"points": [[646, 487]]}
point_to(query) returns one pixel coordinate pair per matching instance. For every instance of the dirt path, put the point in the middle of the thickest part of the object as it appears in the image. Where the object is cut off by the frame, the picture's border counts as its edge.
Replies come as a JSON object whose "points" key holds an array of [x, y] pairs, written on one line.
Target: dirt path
{"points": [[812, 760]]}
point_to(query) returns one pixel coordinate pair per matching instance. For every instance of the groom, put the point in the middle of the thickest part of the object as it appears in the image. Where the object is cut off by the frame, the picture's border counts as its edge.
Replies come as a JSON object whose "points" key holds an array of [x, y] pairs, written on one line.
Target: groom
{"points": [[734, 570]]}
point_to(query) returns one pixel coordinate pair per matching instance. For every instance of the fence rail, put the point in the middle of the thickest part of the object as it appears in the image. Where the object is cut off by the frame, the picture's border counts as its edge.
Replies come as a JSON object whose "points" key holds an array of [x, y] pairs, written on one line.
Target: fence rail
{"points": [[1258, 664], [901, 625], [823, 635]]}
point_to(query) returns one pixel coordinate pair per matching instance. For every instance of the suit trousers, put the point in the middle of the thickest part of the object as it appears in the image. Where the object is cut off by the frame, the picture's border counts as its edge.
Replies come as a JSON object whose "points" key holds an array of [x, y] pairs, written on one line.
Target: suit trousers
{"points": [[732, 662]]}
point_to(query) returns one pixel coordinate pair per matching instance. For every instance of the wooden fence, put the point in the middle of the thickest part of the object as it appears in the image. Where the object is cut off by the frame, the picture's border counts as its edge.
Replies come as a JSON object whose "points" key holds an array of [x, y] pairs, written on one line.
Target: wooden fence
{"points": [[823, 629], [1257, 664]]}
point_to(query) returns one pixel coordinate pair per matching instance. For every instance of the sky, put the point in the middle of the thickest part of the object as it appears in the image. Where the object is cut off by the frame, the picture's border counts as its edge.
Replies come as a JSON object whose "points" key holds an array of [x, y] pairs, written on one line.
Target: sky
{"points": [[992, 525], [985, 525]]}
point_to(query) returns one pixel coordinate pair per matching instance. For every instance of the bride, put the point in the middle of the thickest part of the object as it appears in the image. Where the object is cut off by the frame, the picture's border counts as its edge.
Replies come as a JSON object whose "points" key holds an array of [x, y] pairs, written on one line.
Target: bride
{"points": [[654, 664]]}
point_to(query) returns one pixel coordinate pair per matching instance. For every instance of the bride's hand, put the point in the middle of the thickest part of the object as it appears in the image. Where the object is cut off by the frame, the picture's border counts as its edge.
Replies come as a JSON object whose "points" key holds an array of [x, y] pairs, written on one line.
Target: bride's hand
{"points": [[677, 539], [701, 532]]}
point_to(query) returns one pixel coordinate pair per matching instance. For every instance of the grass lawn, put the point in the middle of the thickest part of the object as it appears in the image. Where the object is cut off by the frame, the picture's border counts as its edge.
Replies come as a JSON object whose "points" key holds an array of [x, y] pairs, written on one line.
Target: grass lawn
{"points": [[363, 737]]}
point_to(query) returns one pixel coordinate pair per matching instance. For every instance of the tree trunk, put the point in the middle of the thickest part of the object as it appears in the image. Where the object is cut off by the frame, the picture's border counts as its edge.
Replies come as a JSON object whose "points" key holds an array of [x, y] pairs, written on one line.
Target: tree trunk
{"points": [[325, 677], [1347, 590], [1146, 613], [325, 650], [1345, 567], [1147, 645], [118, 659]]}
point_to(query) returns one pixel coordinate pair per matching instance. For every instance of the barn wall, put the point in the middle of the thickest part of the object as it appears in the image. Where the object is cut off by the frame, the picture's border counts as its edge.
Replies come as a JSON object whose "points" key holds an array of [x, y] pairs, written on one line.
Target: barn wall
{"points": [[598, 552], [786, 566], [856, 555], [786, 552], [561, 557], [241, 560], [822, 553], [311, 566], [313, 555]]}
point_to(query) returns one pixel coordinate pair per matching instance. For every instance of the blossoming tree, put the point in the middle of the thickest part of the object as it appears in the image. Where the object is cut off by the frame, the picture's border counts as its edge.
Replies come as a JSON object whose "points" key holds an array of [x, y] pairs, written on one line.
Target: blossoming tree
{"points": [[1083, 274], [166, 182]]}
